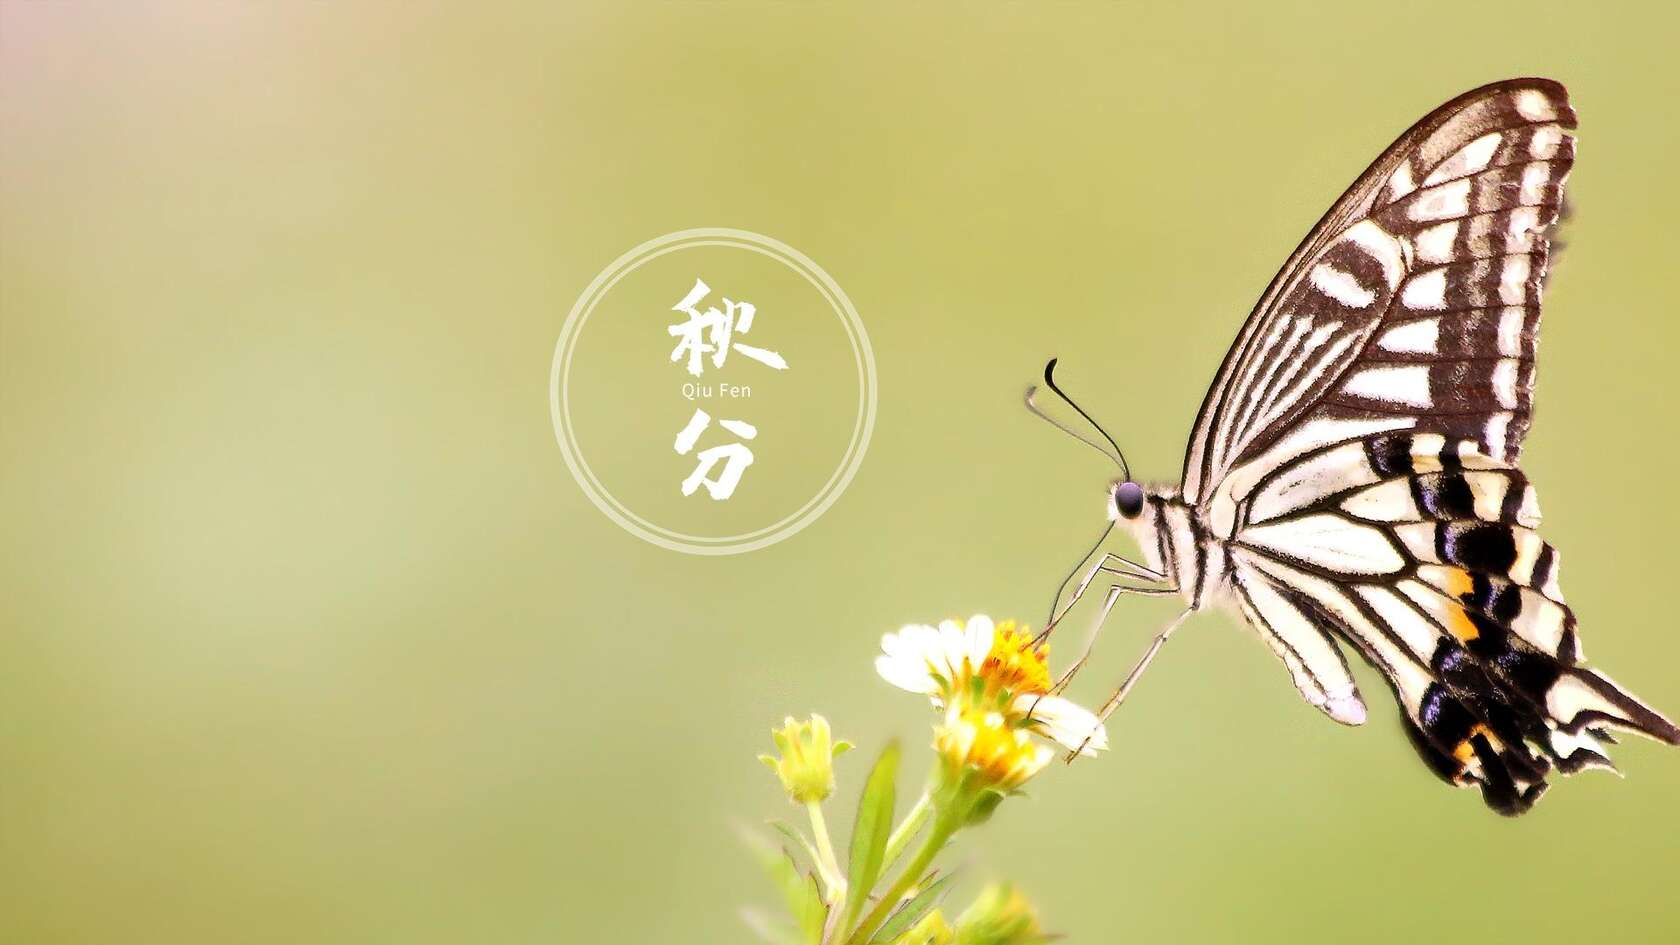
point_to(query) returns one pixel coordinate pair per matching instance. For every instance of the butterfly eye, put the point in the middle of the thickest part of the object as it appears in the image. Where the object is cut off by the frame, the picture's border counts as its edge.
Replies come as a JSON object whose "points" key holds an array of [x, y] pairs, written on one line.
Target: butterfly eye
{"points": [[1128, 499]]}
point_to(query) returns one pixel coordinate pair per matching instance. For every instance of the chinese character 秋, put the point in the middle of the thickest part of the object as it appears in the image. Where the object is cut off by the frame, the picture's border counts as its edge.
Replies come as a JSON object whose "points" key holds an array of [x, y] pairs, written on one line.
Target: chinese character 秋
{"points": [[711, 332]]}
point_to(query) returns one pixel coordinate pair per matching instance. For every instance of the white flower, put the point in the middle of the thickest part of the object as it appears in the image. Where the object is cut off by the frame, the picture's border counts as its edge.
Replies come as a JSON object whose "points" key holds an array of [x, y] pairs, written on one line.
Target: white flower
{"points": [[934, 660], [991, 668]]}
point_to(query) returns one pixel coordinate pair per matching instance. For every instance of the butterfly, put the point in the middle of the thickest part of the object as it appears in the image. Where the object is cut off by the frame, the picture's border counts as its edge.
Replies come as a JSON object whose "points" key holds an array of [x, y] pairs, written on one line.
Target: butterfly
{"points": [[1352, 475]]}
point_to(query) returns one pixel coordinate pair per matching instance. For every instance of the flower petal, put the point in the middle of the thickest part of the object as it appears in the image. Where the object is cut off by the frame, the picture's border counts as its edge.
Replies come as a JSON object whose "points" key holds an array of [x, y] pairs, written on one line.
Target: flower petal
{"points": [[1065, 722], [915, 658], [906, 673], [908, 640], [979, 634], [1040, 758], [891, 643], [953, 645]]}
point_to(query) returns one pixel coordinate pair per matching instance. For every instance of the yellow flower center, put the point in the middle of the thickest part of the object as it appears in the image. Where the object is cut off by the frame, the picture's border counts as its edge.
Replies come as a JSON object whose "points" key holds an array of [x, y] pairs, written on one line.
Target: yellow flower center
{"points": [[1014, 663], [985, 741]]}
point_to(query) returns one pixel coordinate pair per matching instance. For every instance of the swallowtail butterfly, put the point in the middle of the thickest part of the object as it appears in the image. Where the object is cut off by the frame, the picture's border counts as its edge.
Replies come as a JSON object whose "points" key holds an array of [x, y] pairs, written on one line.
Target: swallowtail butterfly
{"points": [[1352, 475]]}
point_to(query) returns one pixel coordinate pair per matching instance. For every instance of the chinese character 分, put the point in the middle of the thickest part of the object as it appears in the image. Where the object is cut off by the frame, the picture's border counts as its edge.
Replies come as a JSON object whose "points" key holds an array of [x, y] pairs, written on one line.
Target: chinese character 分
{"points": [[736, 457], [712, 332]]}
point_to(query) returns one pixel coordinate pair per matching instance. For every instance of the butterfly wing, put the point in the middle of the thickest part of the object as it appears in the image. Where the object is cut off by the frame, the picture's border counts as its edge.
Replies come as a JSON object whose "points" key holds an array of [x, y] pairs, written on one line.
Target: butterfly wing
{"points": [[1358, 454], [1422, 552], [1442, 241]]}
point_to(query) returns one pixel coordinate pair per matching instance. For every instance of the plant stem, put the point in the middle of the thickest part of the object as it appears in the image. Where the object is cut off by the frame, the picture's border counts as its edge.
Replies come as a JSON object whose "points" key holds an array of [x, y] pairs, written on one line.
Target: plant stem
{"points": [[826, 862], [906, 830], [941, 832]]}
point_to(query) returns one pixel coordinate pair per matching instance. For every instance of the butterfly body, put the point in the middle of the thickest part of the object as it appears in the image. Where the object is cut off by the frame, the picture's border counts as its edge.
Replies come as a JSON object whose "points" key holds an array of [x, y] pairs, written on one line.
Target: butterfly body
{"points": [[1352, 477], [1177, 543]]}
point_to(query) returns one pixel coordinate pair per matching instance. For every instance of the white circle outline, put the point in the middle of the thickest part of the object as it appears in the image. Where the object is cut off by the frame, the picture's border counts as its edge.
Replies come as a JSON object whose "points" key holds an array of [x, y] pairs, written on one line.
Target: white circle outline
{"points": [[559, 394]]}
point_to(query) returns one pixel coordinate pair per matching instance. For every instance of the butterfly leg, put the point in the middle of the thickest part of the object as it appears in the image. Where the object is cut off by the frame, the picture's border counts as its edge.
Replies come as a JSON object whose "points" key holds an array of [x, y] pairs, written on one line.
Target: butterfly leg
{"points": [[1114, 592], [1133, 676], [1110, 563]]}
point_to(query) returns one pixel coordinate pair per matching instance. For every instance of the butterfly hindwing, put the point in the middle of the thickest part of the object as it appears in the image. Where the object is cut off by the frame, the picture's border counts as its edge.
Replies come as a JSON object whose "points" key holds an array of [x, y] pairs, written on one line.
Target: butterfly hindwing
{"points": [[1420, 551], [1303, 640]]}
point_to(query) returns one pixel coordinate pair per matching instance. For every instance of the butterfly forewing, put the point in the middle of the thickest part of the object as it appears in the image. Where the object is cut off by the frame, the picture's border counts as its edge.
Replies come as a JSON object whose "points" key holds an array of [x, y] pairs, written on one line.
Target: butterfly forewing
{"points": [[1416, 296]]}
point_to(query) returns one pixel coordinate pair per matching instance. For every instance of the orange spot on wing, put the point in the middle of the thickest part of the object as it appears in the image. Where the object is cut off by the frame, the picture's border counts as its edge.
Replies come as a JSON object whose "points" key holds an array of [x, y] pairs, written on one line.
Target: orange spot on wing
{"points": [[1460, 624], [1464, 750], [1458, 582]]}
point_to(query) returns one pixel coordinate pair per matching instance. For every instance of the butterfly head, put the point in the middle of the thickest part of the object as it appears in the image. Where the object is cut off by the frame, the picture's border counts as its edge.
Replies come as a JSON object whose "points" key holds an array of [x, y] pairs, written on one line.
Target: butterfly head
{"points": [[1125, 500], [1138, 510]]}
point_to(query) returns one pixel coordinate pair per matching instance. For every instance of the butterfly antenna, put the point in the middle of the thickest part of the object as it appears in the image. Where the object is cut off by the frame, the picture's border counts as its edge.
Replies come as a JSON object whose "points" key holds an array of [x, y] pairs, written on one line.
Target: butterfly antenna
{"points": [[1049, 379], [1037, 411]]}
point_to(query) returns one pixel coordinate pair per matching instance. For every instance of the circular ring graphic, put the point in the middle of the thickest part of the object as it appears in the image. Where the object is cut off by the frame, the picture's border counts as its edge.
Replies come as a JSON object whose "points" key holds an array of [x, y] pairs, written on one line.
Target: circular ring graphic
{"points": [[559, 394]]}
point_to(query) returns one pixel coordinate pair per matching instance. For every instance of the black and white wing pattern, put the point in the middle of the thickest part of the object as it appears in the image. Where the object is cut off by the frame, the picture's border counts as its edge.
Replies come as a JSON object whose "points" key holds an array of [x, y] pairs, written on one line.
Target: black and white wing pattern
{"points": [[1442, 245], [1356, 456]]}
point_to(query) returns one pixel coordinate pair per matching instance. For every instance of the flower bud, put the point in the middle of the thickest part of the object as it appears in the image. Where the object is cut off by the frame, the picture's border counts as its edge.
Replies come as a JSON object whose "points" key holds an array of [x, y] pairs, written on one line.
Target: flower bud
{"points": [[1001, 916], [931, 929], [806, 763]]}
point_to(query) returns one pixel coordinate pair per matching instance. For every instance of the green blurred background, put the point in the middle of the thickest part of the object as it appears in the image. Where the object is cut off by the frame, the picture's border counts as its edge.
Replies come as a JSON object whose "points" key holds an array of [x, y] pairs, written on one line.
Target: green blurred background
{"points": [[310, 636]]}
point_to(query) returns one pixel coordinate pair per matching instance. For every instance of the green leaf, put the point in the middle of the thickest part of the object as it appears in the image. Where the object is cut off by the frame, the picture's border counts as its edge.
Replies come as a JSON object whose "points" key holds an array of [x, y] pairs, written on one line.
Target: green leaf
{"points": [[811, 913], [797, 839], [779, 865], [870, 831], [911, 912]]}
